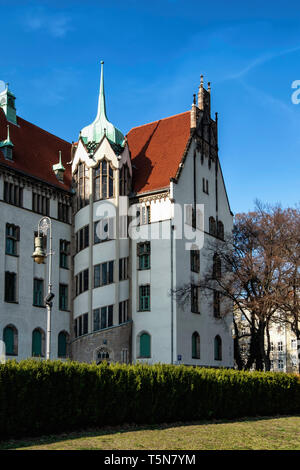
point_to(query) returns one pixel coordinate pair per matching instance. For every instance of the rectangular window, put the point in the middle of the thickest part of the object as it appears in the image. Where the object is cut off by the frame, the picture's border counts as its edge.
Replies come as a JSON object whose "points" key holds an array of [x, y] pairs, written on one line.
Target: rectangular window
{"points": [[124, 356], [293, 344], [144, 215], [104, 274], [63, 297], [123, 311], [13, 194], [194, 299], [144, 292], [82, 281], [12, 238], [143, 252], [217, 304], [280, 364], [81, 325], [123, 269], [63, 212], [40, 204], [205, 185], [195, 260], [10, 289], [82, 238], [64, 251], [103, 317], [280, 346], [38, 292]]}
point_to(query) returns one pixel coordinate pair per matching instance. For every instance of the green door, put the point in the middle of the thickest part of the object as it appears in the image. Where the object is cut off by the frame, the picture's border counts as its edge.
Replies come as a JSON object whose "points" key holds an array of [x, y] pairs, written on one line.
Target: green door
{"points": [[145, 345]]}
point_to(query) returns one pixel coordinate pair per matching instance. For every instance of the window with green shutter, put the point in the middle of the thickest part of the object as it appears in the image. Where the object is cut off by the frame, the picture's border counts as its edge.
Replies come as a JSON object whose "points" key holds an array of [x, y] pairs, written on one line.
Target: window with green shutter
{"points": [[63, 297], [143, 252], [145, 345], [144, 297], [12, 238], [38, 292]]}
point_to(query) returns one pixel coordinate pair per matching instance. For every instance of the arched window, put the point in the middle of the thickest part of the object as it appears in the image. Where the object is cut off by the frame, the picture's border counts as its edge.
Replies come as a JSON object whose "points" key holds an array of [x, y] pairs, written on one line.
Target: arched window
{"points": [[103, 181], [38, 343], [218, 348], [145, 345], [62, 344], [10, 338], [212, 226], [221, 230], [195, 345], [217, 266]]}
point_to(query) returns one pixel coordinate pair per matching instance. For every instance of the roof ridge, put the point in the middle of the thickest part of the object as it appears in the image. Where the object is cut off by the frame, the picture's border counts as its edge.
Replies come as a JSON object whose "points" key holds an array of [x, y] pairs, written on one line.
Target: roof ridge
{"points": [[158, 120]]}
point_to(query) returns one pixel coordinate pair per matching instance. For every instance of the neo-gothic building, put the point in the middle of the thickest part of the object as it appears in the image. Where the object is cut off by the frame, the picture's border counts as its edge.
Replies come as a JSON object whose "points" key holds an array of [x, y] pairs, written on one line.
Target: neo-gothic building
{"points": [[118, 240]]}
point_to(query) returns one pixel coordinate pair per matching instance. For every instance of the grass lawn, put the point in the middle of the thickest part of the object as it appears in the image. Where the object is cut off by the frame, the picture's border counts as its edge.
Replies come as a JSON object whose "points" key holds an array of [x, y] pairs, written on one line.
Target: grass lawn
{"points": [[276, 433]]}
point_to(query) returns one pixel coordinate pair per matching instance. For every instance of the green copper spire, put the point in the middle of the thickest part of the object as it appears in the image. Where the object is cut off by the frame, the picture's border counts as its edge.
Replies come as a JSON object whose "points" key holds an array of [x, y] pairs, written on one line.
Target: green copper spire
{"points": [[101, 125]]}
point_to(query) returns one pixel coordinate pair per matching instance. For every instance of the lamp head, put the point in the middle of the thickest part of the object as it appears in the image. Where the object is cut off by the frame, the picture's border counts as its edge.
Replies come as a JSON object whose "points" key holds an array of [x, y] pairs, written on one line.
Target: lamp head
{"points": [[39, 254]]}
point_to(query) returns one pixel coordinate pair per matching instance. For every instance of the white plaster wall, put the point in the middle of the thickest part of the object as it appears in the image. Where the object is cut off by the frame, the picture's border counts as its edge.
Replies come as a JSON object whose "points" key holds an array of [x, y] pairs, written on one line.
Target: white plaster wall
{"points": [[157, 321], [23, 315], [204, 323]]}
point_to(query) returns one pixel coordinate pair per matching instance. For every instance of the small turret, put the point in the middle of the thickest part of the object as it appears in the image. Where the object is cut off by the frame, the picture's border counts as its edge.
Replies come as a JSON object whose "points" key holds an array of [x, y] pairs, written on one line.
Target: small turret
{"points": [[204, 96], [7, 146], [59, 169], [7, 103]]}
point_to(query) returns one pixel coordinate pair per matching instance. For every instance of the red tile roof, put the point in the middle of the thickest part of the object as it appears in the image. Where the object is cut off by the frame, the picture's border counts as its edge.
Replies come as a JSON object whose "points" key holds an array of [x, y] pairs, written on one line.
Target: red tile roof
{"points": [[156, 151], [35, 151]]}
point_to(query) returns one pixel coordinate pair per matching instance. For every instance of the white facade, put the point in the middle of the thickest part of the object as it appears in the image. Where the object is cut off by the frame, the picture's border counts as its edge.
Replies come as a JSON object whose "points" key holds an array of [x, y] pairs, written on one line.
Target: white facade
{"points": [[21, 313]]}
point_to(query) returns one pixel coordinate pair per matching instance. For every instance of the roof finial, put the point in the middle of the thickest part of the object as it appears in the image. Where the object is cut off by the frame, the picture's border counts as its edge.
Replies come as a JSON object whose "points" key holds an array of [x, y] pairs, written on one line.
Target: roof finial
{"points": [[101, 102], [201, 80]]}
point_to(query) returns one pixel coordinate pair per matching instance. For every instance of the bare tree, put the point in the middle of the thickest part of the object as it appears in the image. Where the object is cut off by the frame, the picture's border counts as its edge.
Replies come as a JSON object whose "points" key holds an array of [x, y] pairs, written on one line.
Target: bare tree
{"points": [[256, 273]]}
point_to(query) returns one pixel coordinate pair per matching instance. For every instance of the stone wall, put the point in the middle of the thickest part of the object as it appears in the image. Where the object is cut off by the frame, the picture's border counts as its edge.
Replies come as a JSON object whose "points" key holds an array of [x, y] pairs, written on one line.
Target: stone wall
{"points": [[114, 340]]}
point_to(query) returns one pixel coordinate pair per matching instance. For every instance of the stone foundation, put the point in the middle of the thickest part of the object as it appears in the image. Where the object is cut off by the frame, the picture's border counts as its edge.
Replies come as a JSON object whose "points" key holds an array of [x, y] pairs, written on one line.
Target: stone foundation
{"points": [[110, 344]]}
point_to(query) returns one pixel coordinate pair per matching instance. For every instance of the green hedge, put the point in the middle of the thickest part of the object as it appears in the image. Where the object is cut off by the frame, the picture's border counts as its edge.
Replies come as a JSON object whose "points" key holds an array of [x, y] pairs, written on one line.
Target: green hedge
{"points": [[40, 397]]}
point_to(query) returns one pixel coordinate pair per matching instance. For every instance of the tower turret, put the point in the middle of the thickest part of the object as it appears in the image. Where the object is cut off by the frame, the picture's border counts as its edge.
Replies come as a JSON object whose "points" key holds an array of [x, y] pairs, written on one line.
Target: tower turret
{"points": [[101, 125], [7, 103]]}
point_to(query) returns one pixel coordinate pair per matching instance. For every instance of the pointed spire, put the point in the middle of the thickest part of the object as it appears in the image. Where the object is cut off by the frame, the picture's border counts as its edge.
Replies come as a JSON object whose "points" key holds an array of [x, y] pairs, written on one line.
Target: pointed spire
{"points": [[101, 127], [101, 100]]}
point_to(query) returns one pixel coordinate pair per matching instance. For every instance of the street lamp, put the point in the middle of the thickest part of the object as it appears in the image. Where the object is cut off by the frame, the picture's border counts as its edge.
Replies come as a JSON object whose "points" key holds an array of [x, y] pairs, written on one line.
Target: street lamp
{"points": [[39, 256]]}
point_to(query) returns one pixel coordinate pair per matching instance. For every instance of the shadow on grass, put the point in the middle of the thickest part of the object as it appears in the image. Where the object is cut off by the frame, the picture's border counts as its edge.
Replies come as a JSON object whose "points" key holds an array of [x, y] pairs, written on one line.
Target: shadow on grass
{"points": [[108, 430]]}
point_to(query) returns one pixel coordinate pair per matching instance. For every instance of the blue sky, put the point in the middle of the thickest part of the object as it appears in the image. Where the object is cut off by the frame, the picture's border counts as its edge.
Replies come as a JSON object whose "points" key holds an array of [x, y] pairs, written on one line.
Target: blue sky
{"points": [[154, 54]]}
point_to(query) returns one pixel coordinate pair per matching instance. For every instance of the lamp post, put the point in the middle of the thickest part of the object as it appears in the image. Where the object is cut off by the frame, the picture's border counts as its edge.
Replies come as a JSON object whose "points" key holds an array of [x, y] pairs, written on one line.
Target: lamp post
{"points": [[39, 256]]}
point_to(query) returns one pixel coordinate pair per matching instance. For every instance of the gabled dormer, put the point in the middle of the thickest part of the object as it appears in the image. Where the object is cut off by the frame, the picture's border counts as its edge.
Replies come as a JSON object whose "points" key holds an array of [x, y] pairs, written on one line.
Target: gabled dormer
{"points": [[7, 103]]}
